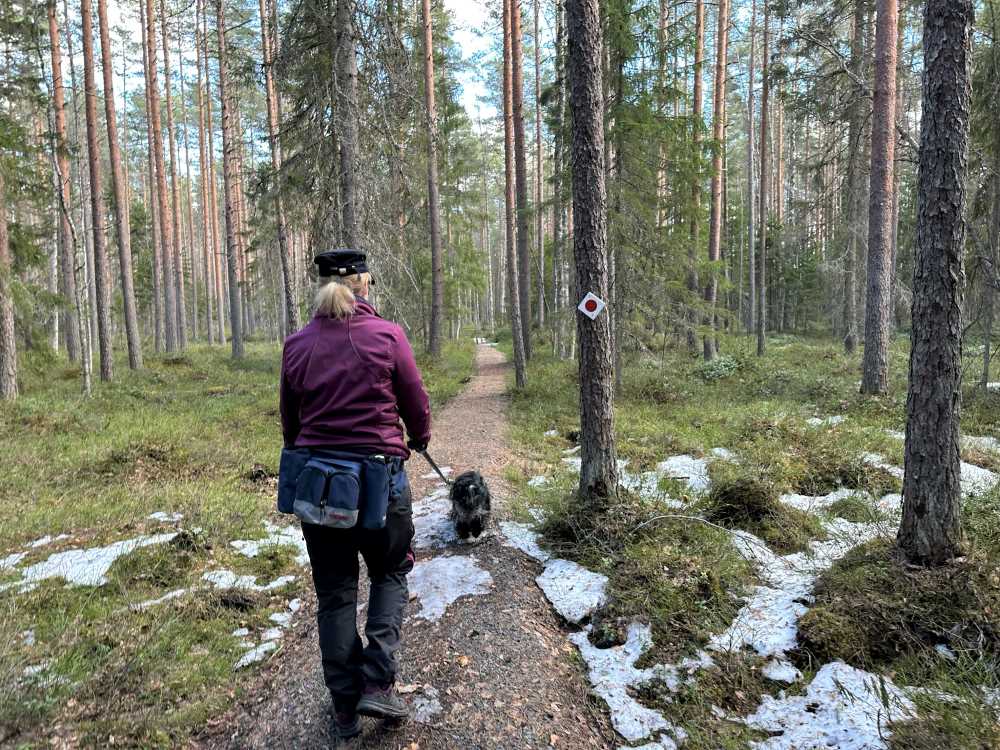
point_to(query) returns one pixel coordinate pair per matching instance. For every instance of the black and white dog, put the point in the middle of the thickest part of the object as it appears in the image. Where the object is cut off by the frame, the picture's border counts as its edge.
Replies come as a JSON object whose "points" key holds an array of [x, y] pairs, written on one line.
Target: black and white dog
{"points": [[470, 504]]}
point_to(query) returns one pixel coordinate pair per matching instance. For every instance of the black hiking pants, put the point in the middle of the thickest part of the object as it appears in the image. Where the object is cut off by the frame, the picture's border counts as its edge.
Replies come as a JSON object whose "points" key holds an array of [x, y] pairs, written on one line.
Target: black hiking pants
{"points": [[348, 665]]}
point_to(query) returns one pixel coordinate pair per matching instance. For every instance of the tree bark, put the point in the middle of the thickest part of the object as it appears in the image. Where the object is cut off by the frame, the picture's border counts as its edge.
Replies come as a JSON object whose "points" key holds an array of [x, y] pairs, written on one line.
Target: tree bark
{"points": [[931, 531], [513, 283], [229, 176], [751, 175], [347, 89], [599, 470], [220, 292], [521, 174], [267, 35], [878, 310], [539, 229], [764, 170], [166, 223], [61, 161], [8, 343], [719, 137], [853, 213], [158, 321], [175, 204], [102, 277], [433, 208], [697, 124], [120, 188], [206, 215]]}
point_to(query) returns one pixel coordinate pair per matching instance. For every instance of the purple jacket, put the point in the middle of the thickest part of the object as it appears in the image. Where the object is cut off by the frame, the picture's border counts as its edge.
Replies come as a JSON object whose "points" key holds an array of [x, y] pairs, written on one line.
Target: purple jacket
{"points": [[346, 383]]}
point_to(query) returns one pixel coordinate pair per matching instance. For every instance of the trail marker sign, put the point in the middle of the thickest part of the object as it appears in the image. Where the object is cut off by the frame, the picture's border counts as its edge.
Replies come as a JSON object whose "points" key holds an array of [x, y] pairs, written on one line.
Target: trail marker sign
{"points": [[592, 306]]}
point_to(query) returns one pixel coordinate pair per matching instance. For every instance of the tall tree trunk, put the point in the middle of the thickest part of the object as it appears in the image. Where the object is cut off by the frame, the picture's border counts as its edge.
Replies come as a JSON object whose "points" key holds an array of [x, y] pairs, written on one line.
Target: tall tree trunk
{"points": [[166, 222], [559, 210], [719, 137], [60, 159], [513, 283], [599, 470], [347, 106], [520, 173], [267, 40], [764, 172], [8, 343], [433, 209], [697, 124], [854, 178], [878, 310], [102, 277], [230, 176], [154, 214], [206, 216], [992, 279], [175, 203], [220, 293], [539, 233], [931, 530], [751, 174], [120, 188], [188, 199]]}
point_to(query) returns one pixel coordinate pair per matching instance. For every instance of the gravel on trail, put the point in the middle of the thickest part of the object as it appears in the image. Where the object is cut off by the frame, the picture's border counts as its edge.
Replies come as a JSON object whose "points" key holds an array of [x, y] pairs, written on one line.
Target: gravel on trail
{"points": [[500, 664]]}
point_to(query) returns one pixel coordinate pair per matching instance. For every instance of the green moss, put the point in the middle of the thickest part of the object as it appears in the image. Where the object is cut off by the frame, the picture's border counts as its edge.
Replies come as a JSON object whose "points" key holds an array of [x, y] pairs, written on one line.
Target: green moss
{"points": [[872, 611], [752, 505]]}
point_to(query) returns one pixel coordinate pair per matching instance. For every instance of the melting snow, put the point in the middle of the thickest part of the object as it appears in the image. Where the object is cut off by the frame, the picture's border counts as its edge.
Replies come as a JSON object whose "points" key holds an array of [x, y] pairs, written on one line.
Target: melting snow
{"points": [[284, 619], [825, 422], [446, 470], [552, 433], [163, 517], [84, 567], [981, 443], [539, 481], [427, 705], [612, 672], [431, 522], [663, 743], [694, 471], [767, 623], [240, 633], [843, 708], [227, 579], [877, 461], [45, 540], [977, 480], [271, 634], [522, 537], [442, 580], [165, 598], [255, 655], [28, 637], [574, 591], [276, 536], [819, 502], [780, 670], [11, 561], [572, 451]]}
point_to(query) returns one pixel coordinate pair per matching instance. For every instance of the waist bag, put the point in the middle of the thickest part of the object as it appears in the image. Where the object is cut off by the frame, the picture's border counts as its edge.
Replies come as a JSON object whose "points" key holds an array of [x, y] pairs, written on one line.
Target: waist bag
{"points": [[335, 489]]}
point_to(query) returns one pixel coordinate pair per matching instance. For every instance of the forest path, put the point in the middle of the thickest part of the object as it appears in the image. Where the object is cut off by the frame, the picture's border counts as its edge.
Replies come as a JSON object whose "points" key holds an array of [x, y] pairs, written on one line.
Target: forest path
{"points": [[499, 664]]}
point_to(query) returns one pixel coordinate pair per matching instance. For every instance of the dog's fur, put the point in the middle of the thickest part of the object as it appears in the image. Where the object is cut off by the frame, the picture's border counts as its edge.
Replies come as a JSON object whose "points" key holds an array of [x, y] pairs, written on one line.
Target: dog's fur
{"points": [[470, 504]]}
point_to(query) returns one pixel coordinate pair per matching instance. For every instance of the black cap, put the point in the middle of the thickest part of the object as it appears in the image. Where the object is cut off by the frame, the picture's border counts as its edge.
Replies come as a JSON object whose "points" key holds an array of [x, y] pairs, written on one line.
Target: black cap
{"points": [[341, 262]]}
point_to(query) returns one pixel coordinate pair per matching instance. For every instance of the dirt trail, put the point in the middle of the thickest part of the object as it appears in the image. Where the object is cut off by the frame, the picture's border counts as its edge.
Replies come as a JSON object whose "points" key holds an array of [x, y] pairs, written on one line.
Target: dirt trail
{"points": [[503, 668]]}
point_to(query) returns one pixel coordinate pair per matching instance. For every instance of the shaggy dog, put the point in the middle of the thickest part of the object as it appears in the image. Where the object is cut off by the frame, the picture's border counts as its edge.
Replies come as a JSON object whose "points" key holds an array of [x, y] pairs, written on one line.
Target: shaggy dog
{"points": [[470, 504]]}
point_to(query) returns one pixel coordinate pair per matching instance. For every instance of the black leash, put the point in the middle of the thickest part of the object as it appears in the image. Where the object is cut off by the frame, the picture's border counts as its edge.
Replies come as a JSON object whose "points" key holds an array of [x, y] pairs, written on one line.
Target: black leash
{"points": [[434, 466]]}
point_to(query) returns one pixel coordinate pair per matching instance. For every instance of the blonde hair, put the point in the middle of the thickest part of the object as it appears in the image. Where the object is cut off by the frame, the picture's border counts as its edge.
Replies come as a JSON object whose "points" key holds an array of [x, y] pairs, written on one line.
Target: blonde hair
{"points": [[336, 295]]}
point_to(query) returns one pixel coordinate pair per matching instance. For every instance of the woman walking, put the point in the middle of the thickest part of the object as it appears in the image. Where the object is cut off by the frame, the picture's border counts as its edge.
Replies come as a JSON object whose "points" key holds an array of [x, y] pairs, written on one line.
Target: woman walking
{"points": [[347, 380]]}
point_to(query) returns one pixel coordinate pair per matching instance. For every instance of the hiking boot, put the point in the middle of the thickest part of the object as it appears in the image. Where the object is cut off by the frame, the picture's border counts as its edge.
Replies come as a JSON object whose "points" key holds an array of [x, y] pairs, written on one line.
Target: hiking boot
{"points": [[347, 725], [382, 703]]}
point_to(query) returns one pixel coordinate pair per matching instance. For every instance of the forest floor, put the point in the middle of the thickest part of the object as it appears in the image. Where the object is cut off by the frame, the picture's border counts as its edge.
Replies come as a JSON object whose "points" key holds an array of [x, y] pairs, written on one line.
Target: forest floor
{"points": [[742, 593]]}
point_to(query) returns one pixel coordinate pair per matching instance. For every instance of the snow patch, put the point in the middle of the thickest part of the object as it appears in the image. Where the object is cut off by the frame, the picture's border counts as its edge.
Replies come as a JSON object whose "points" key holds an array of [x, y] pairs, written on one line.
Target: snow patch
{"points": [[442, 580], [522, 537], [694, 471], [432, 522], [46, 540], [574, 591], [977, 480], [271, 634], [240, 633], [818, 502], [427, 705], [878, 462], [986, 444], [282, 619], [780, 670], [165, 598], [276, 536], [83, 567], [539, 481], [256, 654], [826, 421], [843, 708], [164, 517], [28, 638], [551, 433], [612, 672], [12, 561], [227, 579]]}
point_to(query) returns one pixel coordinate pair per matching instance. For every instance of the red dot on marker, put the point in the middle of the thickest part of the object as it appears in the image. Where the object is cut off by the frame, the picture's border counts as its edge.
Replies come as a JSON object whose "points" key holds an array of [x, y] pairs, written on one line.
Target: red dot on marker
{"points": [[591, 305]]}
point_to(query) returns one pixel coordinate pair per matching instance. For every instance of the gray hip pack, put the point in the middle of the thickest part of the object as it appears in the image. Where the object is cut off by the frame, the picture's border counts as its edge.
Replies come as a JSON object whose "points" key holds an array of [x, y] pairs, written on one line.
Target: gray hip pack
{"points": [[337, 489]]}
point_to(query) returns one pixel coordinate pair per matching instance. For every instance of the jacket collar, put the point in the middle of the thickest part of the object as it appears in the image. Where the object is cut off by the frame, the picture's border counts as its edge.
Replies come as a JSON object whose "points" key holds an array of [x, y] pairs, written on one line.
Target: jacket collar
{"points": [[362, 307]]}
